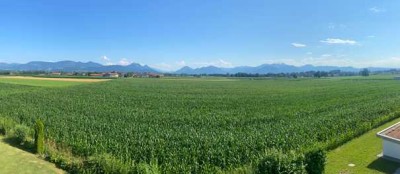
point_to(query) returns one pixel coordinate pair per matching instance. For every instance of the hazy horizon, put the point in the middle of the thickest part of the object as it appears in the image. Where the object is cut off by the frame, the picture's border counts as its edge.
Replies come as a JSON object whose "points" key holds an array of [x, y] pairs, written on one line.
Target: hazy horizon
{"points": [[205, 66], [168, 35]]}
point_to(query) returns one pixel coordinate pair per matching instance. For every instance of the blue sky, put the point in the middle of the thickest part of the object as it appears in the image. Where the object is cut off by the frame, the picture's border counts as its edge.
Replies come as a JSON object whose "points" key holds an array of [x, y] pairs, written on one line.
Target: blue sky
{"points": [[169, 34]]}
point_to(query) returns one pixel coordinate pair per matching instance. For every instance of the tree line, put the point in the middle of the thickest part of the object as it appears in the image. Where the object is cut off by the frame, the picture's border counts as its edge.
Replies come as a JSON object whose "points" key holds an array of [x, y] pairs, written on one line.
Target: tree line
{"points": [[309, 74]]}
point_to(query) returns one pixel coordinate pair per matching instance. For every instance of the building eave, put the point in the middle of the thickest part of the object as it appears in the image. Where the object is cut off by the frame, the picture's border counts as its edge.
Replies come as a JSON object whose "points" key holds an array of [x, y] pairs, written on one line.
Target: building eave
{"points": [[382, 134]]}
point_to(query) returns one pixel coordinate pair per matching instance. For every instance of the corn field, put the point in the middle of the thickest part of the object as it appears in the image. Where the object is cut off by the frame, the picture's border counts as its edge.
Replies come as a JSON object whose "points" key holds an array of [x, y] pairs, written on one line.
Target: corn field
{"points": [[201, 125]]}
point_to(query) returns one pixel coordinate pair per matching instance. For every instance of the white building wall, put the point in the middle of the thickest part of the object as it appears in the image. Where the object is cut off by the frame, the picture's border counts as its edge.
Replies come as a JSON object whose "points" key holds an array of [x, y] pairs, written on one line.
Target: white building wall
{"points": [[391, 149]]}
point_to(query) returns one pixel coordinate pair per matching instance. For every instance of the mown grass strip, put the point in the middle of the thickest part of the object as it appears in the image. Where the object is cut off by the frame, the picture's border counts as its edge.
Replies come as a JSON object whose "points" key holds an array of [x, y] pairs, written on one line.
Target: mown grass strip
{"points": [[362, 152], [14, 160]]}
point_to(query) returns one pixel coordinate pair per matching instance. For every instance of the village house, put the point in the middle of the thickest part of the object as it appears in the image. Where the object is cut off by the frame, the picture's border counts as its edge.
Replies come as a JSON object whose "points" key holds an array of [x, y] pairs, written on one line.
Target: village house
{"points": [[152, 75], [111, 75], [391, 142], [96, 75], [55, 73]]}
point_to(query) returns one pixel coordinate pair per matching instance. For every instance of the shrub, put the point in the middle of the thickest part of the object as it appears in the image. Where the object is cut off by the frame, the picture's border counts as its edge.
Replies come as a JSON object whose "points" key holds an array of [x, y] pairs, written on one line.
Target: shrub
{"points": [[277, 162], [39, 137], [6, 125], [315, 161], [63, 158], [145, 168], [21, 133], [106, 163]]}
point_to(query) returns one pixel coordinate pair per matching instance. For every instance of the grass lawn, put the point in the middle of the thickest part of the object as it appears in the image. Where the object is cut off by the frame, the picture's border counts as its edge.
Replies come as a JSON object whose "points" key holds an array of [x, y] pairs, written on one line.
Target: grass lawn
{"points": [[362, 152], [17, 161]]}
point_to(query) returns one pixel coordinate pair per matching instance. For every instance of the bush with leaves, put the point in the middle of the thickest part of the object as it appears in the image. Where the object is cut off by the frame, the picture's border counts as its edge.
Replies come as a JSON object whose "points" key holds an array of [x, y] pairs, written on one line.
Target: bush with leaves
{"points": [[6, 125], [21, 133], [315, 161], [277, 162], [39, 137], [105, 163]]}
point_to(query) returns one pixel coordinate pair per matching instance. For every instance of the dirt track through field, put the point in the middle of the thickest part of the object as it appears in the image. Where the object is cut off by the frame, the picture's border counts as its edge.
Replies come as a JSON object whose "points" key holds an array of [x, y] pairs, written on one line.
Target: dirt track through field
{"points": [[55, 79]]}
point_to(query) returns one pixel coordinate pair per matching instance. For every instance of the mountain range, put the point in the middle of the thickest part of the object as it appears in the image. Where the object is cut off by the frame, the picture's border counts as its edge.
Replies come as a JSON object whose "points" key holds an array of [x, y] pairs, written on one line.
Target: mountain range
{"points": [[72, 66], [269, 68]]}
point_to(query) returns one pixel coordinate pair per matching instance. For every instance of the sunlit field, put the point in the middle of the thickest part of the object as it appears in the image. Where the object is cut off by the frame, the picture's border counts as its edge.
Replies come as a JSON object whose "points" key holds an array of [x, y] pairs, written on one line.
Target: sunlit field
{"points": [[201, 125]]}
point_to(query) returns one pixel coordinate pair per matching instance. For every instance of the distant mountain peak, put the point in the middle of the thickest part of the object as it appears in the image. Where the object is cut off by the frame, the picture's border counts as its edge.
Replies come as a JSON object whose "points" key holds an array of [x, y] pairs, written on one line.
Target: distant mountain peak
{"points": [[186, 67]]}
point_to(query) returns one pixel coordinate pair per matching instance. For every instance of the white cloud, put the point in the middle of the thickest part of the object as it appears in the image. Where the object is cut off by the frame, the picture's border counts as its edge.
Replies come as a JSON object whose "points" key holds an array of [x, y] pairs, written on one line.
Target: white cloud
{"points": [[124, 62], [223, 63], [285, 61], [299, 45], [169, 67], [339, 41], [106, 60], [218, 63], [309, 53], [181, 63], [326, 55], [376, 10]]}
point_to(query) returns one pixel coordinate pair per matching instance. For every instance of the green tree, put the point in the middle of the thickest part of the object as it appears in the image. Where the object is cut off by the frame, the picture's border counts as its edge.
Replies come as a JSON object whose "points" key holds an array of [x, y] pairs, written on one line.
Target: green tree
{"points": [[364, 72], [317, 74], [39, 137]]}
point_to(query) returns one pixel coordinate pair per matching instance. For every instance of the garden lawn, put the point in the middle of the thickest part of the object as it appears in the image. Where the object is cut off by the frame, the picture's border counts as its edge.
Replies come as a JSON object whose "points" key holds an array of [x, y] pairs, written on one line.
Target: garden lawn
{"points": [[17, 161], [362, 152]]}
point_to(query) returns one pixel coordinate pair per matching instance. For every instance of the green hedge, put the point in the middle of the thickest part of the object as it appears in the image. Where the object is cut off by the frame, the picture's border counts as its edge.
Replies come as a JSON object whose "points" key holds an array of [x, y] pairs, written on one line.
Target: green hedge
{"points": [[315, 161], [278, 162]]}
